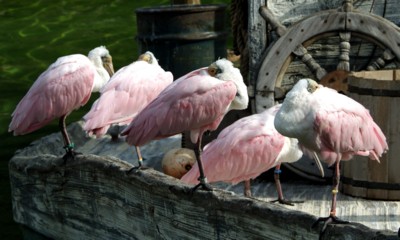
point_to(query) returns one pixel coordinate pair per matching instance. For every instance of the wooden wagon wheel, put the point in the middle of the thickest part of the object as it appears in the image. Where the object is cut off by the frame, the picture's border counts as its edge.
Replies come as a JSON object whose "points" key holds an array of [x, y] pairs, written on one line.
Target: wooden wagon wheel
{"points": [[345, 23], [295, 44]]}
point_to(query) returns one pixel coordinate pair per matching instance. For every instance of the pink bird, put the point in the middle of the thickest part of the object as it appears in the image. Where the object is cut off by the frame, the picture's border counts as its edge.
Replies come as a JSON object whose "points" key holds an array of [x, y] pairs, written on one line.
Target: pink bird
{"points": [[244, 150], [129, 90], [196, 102], [330, 124], [66, 85]]}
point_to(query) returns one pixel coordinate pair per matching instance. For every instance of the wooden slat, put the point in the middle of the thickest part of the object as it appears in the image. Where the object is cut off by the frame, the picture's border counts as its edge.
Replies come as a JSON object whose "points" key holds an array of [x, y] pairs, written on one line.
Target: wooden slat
{"points": [[385, 112], [93, 197], [257, 42]]}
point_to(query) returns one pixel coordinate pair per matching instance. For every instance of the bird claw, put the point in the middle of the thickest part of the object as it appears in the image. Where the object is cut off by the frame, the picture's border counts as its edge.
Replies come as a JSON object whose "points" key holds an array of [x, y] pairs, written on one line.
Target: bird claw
{"points": [[328, 220], [203, 184], [286, 202], [136, 169], [70, 155]]}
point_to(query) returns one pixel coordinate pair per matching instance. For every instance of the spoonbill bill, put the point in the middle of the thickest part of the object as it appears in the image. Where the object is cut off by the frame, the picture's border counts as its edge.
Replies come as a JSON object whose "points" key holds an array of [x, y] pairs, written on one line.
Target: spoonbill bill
{"points": [[332, 125], [196, 102], [65, 86]]}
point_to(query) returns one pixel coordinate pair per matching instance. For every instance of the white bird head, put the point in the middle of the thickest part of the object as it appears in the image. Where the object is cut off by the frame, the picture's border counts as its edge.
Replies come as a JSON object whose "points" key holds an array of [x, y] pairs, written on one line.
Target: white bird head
{"points": [[224, 70], [306, 84], [148, 57], [102, 60]]}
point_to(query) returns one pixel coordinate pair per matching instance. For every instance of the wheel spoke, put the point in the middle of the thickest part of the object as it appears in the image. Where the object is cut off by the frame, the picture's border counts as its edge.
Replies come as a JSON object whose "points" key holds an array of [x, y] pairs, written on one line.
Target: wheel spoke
{"points": [[381, 61], [344, 59], [309, 61]]}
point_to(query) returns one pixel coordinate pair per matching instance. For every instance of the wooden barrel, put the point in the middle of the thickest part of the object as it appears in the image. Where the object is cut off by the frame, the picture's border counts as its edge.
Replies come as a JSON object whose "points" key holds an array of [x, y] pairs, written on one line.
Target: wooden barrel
{"points": [[183, 37], [378, 91]]}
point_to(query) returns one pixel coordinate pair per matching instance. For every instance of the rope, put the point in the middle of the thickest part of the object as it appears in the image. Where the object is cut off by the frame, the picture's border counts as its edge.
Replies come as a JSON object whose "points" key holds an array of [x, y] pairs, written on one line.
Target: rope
{"points": [[239, 26]]}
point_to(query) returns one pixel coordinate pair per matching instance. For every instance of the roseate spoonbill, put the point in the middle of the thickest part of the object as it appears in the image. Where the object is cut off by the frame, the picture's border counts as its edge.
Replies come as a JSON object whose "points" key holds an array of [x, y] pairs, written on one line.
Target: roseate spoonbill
{"points": [[244, 150], [196, 102], [331, 124], [65, 86], [129, 90]]}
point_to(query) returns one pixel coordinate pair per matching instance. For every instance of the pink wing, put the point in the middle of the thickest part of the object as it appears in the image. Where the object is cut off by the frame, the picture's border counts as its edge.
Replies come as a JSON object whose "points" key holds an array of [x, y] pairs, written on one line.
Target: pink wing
{"points": [[345, 128], [242, 151], [199, 101], [64, 86], [127, 93]]}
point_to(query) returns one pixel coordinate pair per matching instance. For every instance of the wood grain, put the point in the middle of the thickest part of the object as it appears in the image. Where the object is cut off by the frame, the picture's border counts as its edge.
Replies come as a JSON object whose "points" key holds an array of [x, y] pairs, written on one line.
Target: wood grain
{"points": [[94, 197]]}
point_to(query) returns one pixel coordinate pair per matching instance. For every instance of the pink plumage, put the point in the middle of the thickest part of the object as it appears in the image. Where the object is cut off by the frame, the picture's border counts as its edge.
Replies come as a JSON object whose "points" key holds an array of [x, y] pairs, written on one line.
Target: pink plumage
{"points": [[66, 85], [245, 149], [195, 102], [332, 124], [126, 94]]}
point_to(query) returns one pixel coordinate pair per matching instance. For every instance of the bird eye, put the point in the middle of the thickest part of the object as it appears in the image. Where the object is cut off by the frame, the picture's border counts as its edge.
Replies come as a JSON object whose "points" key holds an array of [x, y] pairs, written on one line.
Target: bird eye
{"points": [[188, 167], [106, 59]]}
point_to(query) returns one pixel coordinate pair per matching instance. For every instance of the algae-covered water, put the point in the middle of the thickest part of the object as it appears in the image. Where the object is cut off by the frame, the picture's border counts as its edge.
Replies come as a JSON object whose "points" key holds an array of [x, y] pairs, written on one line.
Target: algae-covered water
{"points": [[33, 35]]}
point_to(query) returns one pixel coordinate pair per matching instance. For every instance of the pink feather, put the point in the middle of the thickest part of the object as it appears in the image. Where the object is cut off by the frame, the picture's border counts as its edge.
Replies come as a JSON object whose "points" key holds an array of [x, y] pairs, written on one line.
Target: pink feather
{"points": [[244, 150], [329, 123], [65, 86], [194, 102], [126, 94]]}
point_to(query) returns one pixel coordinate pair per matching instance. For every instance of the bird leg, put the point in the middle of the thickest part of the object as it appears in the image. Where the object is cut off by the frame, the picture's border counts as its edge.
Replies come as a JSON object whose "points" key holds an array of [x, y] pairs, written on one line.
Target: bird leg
{"points": [[68, 145], [280, 199], [202, 178], [140, 161], [332, 215], [247, 188]]}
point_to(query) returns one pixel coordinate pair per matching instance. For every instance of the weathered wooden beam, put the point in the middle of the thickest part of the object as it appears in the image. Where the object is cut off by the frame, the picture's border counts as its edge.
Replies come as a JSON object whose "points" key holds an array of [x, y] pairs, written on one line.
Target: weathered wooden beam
{"points": [[95, 197], [257, 42]]}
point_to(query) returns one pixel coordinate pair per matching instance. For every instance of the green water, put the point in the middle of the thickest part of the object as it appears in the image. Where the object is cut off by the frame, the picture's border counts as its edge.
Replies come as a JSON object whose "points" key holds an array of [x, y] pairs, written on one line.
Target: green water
{"points": [[33, 35]]}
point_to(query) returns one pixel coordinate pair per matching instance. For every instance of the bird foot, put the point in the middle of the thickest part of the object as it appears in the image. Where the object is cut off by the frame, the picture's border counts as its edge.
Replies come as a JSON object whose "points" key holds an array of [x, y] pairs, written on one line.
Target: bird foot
{"points": [[286, 202], [203, 184], [328, 220], [70, 155], [136, 169], [247, 194]]}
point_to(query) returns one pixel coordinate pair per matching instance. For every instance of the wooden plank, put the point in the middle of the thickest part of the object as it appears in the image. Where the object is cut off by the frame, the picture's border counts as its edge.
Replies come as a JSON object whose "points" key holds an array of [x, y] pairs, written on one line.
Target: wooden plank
{"points": [[257, 42], [385, 112], [376, 75], [94, 197], [34, 166], [393, 128]]}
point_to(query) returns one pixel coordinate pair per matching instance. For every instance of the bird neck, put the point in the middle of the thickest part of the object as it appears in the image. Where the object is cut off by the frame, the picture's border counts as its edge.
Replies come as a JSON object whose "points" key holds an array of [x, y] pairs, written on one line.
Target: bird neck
{"points": [[241, 100], [100, 79]]}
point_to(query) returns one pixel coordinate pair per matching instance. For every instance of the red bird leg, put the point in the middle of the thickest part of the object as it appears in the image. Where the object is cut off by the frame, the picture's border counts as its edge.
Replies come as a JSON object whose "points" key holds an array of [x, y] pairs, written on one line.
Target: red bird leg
{"points": [[280, 199], [68, 145], [202, 178], [332, 215], [247, 188]]}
